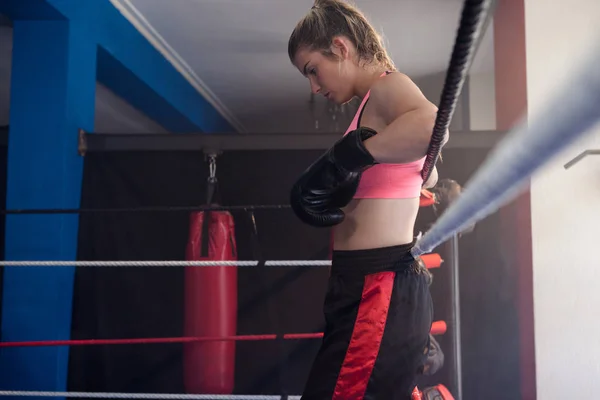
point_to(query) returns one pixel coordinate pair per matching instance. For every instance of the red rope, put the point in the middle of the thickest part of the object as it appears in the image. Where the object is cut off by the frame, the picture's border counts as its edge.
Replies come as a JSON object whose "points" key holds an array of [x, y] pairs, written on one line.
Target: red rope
{"points": [[90, 342], [438, 328]]}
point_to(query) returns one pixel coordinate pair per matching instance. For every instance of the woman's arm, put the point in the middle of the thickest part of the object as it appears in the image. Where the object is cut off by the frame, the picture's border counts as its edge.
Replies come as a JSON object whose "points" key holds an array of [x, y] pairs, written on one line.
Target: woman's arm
{"points": [[433, 179], [409, 117]]}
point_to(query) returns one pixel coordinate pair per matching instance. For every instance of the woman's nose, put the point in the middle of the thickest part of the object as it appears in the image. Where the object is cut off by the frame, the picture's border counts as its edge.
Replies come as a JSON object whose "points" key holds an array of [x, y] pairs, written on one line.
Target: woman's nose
{"points": [[314, 87]]}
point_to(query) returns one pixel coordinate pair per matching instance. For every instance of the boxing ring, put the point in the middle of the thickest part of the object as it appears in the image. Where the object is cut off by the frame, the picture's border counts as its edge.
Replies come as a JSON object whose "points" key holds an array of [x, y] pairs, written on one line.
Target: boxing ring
{"points": [[432, 262], [501, 178]]}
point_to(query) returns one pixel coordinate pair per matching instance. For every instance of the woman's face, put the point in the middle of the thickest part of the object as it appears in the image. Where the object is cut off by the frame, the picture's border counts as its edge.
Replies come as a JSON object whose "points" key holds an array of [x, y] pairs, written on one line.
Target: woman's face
{"points": [[331, 77]]}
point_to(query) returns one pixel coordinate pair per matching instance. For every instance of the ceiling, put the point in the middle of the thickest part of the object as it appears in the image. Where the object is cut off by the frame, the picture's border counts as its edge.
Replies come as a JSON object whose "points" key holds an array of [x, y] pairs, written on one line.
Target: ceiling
{"points": [[237, 51]]}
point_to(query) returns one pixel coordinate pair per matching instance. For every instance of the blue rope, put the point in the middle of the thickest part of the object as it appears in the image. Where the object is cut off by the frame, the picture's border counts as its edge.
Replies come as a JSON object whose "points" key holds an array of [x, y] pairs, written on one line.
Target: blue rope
{"points": [[567, 116]]}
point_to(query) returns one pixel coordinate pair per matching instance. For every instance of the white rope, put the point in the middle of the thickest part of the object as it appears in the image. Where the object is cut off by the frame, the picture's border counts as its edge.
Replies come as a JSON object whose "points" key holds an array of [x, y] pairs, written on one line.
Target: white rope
{"points": [[111, 395], [165, 263], [570, 113]]}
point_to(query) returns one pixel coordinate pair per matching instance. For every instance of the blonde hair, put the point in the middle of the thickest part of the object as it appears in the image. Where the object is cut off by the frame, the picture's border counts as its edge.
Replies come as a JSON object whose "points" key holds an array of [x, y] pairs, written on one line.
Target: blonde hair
{"points": [[330, 18]]}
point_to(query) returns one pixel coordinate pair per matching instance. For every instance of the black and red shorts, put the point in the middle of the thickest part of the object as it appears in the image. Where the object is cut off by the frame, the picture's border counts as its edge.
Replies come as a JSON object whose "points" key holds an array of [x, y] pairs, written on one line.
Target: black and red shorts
{"points": [[378, 314]]}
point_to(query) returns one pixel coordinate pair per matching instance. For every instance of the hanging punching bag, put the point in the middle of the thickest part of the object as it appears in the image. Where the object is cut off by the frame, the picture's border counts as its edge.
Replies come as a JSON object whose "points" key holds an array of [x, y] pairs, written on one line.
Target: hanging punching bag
{"points": [[210, 303]]}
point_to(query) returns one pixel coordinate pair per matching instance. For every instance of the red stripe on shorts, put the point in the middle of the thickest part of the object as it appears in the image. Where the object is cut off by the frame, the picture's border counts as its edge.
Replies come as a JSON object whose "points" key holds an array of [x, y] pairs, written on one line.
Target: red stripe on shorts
{"points": [[366, 337]]}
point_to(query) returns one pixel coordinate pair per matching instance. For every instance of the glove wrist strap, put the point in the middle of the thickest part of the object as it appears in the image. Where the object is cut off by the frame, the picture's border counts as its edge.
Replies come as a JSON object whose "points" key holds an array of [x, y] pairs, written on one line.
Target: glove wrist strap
{"points": [[350, 154]]}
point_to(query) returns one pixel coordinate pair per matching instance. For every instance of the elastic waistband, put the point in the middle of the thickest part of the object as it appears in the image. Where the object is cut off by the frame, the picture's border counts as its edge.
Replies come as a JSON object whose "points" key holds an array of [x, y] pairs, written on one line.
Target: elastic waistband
{"points": [[392, 258]]}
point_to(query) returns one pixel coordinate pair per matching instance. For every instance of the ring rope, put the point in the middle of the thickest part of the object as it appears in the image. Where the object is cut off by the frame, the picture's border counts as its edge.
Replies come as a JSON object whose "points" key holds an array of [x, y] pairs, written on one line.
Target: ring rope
{"points": [[437, 328], [98, 342], [569, 113], [145, 209], [474, 15], [183, 263], [116, 395], [165, 263]]}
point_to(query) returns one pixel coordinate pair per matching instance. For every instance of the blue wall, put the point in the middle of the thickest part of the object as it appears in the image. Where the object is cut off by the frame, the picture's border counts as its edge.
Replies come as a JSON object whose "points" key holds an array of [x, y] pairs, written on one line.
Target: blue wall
{"points": [[128, 64], [44, 170], [61, 48]]}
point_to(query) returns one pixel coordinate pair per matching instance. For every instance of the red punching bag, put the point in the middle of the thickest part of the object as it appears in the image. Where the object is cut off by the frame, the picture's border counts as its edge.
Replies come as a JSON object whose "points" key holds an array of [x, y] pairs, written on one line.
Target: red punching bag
{"points": [[210, 304]]}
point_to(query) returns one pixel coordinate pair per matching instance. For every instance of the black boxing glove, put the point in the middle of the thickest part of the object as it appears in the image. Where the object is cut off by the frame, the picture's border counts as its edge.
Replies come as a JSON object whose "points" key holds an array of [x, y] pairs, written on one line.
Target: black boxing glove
{"points": [[331, 181]]}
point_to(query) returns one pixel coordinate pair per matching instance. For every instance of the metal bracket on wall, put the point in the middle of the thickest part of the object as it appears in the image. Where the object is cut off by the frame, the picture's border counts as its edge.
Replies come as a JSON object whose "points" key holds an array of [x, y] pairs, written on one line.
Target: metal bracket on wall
{"points": [[211, 153], [594, 152]]}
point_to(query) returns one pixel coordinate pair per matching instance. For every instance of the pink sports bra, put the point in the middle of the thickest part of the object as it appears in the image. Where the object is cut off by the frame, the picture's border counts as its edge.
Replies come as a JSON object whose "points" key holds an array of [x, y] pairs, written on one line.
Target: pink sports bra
{"points": [[388, 181]]}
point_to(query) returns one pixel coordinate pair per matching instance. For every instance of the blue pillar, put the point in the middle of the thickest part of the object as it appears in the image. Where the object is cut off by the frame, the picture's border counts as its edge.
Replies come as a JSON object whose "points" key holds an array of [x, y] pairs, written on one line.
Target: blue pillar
{"points": [[52, 96]]}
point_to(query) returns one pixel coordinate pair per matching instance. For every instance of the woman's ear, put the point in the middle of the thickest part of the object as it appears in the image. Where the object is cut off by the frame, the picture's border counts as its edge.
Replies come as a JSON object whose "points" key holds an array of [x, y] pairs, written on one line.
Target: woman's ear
{"points": [[340, 47]]}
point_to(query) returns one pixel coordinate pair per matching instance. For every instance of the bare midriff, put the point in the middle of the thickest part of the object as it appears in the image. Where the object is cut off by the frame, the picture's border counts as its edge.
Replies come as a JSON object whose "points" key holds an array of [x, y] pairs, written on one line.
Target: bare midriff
{"points": [[374, 223]]}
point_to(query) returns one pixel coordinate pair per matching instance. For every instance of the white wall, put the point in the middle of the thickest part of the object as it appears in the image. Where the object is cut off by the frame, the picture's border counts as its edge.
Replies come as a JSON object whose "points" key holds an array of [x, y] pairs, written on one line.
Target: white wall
{"points": [[482, 101], [565, 215], [482, 84], [115, 115]]}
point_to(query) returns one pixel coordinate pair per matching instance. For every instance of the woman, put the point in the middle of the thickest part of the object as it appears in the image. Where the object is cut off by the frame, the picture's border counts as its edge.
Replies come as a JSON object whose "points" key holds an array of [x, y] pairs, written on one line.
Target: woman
{"points": [[378, 307]]}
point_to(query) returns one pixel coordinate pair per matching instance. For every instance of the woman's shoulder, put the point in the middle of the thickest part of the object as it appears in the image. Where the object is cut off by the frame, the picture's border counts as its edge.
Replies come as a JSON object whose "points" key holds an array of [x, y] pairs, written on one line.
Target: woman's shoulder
{"points": [[395, 94], [391, 82]]}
